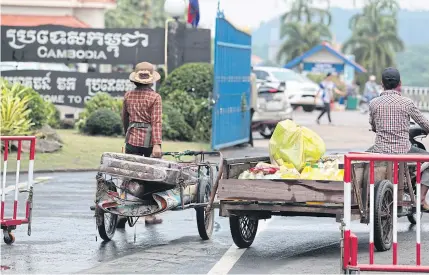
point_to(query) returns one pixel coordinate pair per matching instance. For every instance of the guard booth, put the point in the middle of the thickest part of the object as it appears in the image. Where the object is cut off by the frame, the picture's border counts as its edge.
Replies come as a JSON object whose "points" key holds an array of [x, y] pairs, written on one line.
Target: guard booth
{"points": [[231, 95]]}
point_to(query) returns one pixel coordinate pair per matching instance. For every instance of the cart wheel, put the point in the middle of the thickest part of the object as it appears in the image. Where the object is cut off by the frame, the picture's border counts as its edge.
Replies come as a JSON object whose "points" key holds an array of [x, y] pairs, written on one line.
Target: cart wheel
{"points": [[205, 221], [383, 215], [413, 217], [108, 222], [243, 230], [9, 238]]}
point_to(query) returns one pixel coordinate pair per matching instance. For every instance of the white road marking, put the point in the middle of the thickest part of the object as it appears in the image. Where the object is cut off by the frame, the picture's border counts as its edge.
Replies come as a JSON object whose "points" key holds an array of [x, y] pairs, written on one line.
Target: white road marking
{"points": [[23, 185], [233, 254]]}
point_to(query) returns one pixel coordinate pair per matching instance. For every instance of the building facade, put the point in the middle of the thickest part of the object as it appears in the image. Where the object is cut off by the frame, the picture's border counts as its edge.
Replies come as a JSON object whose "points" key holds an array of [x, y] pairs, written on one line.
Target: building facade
{"points": [[71, 13]]}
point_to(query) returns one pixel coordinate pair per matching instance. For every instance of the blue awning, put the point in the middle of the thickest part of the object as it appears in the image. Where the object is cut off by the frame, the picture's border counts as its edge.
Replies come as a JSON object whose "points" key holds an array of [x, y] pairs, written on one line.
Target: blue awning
{"points": [[325, 46]]}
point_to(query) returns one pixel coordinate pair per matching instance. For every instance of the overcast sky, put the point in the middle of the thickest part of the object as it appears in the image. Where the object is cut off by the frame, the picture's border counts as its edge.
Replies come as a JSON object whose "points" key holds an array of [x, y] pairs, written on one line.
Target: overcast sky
{"points": [[251, 13]]}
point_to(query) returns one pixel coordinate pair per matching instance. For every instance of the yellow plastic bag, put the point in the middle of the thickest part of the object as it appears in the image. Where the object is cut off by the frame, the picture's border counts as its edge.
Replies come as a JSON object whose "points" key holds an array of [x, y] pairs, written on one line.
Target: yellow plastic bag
{"points": [[291, 143]]}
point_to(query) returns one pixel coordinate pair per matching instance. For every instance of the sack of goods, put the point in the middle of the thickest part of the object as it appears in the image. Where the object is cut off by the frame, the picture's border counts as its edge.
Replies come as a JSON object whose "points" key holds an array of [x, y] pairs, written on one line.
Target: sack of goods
{"points": [[294, 144], [296, 152]]}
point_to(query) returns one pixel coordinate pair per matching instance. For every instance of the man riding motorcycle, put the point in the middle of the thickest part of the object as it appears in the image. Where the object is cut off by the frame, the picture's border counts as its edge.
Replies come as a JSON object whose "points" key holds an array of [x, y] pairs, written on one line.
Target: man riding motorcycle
{"points": [[389, 117]]}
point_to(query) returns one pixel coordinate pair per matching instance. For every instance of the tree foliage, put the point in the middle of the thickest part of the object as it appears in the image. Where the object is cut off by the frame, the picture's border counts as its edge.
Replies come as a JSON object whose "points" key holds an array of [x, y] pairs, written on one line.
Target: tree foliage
{"points": [[375, 40], [302, 28], [136, 14], [301, 38], [304, 11]]}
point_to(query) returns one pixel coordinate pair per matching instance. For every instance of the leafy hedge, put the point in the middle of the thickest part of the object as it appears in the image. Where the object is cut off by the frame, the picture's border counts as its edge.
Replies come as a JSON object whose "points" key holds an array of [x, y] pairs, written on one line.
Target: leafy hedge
{"points": [[103, 122], [40, 112], [191, 75], [186, 111], [185, 93], [99, 101]]}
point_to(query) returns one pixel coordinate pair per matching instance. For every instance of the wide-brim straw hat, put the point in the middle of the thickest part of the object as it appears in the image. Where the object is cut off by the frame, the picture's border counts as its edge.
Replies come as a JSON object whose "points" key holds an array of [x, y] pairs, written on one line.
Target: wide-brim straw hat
{"points": [[145, 73]]}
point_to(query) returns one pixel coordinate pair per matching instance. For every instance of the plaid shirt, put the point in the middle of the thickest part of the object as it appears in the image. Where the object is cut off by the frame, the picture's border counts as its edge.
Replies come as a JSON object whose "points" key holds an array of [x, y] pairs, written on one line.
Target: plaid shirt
{"points": [[143, 106], [390, 118]]}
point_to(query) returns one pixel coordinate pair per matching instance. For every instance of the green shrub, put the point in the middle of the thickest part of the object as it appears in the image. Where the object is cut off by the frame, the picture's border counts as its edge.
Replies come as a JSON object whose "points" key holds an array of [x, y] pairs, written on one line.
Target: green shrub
{"points": [[54, 116], [103, 122], [203, 126], [15, 114], [67, 123], [174, 126], [192, 105], [191, 75], [99, 101], [39, 111]]}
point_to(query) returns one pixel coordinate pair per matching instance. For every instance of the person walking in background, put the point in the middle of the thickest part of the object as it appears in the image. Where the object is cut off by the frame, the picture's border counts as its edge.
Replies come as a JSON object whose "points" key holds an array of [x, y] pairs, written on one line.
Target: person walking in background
{"points": [[142, 117], [327, 90], [371, 90], [253, 102]]}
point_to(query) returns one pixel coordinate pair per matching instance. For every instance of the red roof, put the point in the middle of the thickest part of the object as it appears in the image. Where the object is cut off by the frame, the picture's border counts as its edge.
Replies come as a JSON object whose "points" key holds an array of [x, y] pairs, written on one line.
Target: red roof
{"points": [[36, 20]]}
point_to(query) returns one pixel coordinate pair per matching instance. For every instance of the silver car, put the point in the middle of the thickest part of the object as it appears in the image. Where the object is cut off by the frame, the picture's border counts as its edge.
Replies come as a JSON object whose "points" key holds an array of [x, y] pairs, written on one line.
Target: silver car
{"points": [[300, 90], [272, 107]]}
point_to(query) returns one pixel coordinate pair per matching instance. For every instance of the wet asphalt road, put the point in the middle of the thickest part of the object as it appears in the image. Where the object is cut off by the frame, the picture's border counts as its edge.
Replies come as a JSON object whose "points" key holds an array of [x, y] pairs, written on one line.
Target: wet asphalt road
{"points": [[64, 232], [64, 240]]}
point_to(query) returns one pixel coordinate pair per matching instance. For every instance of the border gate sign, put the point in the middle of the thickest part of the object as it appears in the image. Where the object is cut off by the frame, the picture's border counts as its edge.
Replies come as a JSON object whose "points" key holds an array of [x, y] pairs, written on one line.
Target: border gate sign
{"points": [[232, 67]]}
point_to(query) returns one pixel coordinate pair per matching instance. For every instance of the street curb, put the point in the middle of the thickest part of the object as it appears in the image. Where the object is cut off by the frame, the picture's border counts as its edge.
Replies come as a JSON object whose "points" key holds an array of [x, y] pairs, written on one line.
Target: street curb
{"points": [[58, 171]]}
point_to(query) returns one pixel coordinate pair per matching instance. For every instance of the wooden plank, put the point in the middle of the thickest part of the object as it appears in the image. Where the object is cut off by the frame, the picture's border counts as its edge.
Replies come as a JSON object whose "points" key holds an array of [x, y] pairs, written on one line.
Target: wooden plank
{"points": [[281, 190]]}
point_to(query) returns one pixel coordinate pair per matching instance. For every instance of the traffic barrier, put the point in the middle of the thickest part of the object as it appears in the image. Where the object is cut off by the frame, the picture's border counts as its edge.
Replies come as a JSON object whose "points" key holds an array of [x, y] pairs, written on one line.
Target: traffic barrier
{"points": [[9, 224], [350, 240]]}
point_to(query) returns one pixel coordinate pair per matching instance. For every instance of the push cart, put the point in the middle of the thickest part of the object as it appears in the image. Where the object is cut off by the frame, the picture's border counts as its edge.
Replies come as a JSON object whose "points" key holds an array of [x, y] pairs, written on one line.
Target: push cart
{"points": [[245, 202], [130, 187], [8, 224]]}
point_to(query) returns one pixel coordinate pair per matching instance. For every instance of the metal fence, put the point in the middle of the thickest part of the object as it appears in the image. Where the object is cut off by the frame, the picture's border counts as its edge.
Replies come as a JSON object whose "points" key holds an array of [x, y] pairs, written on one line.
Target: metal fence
{"points": [[420, 96]]}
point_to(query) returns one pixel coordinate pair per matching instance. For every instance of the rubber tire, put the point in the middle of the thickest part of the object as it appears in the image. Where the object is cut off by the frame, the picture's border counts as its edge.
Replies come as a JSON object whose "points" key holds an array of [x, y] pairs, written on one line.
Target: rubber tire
{"points": [[204, 231], [411, 218], [121, 223], [9, 240], [235, 228], [106, 236], [381, 188], [262, 133], [308, 108]]}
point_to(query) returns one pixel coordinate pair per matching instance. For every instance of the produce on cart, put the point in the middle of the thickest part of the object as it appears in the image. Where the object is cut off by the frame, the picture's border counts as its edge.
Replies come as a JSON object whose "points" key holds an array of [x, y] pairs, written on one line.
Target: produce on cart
{"points": [[295, 179], [134, 186]]}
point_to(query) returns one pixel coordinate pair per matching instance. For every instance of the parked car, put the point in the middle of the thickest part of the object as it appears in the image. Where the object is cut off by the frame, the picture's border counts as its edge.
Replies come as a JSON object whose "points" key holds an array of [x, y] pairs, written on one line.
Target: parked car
{"points": [[273, 106], [300, 90]]}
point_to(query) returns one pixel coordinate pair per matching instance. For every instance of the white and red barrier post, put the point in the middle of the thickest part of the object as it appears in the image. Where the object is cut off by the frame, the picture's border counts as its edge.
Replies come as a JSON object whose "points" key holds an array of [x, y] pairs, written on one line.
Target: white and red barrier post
{"points": [[350, 248], [8, 224]]}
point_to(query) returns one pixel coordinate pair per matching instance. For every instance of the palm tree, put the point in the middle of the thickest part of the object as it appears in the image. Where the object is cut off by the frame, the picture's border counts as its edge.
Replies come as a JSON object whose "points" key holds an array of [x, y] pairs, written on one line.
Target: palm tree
{"points": [[374, 40], [303, 11], [301, 38]]}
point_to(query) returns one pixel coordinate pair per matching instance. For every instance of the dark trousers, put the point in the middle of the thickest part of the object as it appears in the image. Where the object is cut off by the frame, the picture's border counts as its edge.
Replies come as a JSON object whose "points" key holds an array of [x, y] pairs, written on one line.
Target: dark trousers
{"points": [[252, 111], [327, 110], [135, 150]]}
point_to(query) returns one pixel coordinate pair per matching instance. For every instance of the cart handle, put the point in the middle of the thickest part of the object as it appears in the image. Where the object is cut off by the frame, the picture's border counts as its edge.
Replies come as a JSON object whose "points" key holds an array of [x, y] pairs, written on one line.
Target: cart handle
{"points": [[191, 153]]}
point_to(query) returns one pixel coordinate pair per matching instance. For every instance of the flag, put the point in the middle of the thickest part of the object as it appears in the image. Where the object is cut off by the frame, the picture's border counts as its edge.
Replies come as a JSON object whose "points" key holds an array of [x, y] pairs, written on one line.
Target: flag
{"points": [[194, 13]]}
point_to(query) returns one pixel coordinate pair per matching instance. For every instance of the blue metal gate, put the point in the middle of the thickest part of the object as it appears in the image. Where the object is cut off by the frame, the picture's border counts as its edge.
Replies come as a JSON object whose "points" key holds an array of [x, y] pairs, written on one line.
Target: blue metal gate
{"points": [[232, 67]]}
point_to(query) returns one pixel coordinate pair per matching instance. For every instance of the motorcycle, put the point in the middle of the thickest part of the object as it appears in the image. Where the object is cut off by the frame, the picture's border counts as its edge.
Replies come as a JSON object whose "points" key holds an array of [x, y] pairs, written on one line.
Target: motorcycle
{"points": [[415, 133]]}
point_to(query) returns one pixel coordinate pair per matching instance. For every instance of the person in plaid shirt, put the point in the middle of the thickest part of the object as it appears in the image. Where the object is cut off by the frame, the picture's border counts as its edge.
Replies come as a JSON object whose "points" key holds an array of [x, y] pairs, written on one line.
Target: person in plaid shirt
{"points": [[142, 117], [389, 118]]}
